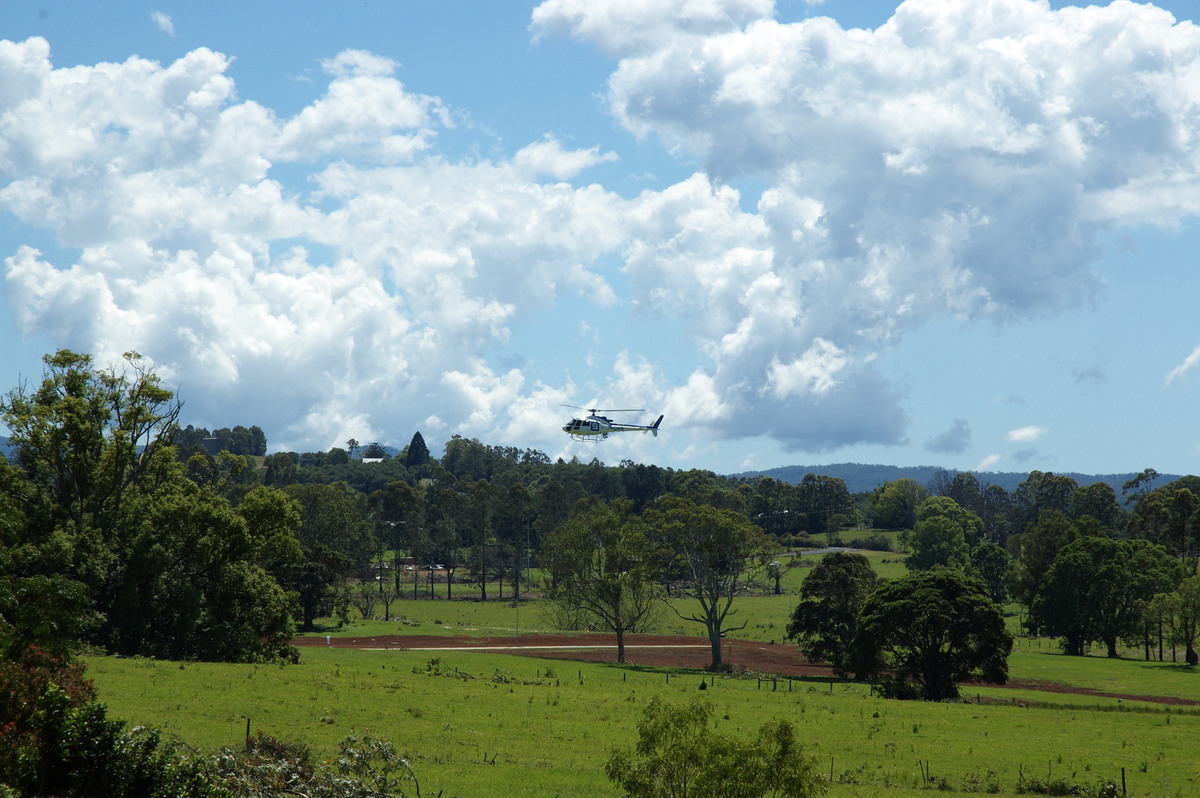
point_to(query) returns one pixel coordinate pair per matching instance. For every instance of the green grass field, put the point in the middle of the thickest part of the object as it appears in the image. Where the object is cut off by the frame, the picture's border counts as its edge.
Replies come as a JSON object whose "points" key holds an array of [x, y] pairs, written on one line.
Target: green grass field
{"points": [[532, 727], [510, 725], [490, 724]]}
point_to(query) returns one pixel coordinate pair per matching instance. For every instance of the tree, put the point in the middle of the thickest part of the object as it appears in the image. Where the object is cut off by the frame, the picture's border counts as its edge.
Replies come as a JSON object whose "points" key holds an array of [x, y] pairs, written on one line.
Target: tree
{"points": [[895, 503], [943, 535], [273, 520], [335, 538], [716, 555], [480, 513], [48, 613], [1180, 610], [1033, 552], [678, 755], [826, 619], [820, 498], [281, 469], [603, 563], [994, 566], [1098, 501], [185, 587], [445, 508], [1042, 493], [374, 450], [242, 440], [397, 511], [513, 514], [1097, 588], [996, 513], [83, 440], [1141, 484], [966, 491], [928, 631], [1184, 506], [418, 452], [945, 507], [100, 499]]}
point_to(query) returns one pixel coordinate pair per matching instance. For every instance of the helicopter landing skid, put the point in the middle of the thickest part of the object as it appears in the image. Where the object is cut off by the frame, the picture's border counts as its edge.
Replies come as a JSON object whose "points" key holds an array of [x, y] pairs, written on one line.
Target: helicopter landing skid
{"points": [[588, 438]]}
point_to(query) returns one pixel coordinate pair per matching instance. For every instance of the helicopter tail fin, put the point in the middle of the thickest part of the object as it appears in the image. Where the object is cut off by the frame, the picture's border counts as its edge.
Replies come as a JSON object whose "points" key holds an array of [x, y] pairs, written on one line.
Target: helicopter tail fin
{"points": [[654, 426]]}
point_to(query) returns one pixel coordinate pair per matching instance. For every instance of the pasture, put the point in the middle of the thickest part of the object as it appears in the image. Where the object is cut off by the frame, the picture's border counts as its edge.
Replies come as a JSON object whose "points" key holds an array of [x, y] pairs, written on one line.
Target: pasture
{"points": [[478, 724], [485, 724]]}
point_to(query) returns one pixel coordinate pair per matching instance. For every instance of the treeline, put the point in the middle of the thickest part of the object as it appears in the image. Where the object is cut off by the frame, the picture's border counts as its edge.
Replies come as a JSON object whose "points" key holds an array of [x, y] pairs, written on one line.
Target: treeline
{"points": [[1085, 570], [159, 547], [239, 440]]}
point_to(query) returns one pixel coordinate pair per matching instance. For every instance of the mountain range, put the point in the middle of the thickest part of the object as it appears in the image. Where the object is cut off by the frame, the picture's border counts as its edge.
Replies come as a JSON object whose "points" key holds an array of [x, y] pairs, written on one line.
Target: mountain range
{"points": [[862, 477]]}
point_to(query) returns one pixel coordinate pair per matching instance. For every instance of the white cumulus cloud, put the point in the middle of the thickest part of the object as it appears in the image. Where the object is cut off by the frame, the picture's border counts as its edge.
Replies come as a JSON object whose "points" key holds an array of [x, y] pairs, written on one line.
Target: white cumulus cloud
{"points": [[899, 164], [1024, 434], [335, 266]]}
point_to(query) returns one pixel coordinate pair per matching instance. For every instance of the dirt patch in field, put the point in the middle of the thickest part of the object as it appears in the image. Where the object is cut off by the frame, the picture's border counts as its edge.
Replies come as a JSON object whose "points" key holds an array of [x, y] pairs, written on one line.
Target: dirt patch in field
{"points": [[667, 651]]}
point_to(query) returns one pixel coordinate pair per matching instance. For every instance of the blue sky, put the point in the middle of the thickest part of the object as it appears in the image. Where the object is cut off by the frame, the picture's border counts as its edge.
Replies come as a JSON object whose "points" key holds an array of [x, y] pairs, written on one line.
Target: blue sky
{"points": [[937, 232]]}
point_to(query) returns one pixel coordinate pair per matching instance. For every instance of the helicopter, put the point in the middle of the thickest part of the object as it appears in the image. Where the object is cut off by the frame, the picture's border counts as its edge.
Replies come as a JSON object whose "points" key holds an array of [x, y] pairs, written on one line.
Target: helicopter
{"points": [[583, 429]]}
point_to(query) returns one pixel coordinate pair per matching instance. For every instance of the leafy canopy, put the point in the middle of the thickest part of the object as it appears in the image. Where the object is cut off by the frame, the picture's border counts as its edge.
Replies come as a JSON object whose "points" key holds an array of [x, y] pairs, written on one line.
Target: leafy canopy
{"points": [[928, 631]]}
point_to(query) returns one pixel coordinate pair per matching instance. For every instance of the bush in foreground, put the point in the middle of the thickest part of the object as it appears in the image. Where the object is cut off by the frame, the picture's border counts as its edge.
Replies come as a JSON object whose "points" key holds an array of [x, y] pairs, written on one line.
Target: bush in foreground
{"points": [[679, 756]]}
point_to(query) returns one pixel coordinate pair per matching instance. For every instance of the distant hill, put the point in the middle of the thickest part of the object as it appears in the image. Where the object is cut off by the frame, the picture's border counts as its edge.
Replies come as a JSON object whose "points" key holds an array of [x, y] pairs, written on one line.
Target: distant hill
{"points": [[862, 478]]}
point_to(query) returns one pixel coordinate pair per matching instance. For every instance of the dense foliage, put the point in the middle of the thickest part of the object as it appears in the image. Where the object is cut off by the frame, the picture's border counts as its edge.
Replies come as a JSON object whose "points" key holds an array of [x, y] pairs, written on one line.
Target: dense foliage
{"points": [[141, 558], [825, 621], [928, 631], [679, 755]]}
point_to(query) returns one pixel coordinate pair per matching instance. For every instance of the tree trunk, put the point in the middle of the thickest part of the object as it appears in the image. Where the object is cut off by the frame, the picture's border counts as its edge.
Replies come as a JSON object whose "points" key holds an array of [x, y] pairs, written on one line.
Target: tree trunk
{"points": [[714, 641], [1111, 644], [1191, 657], [620, 644]]}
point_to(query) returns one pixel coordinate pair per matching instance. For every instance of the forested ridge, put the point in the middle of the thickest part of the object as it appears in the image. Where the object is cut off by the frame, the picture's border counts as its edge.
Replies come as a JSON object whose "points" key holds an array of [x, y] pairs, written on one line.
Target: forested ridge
{"points": [[860, 477], [123, 530]]}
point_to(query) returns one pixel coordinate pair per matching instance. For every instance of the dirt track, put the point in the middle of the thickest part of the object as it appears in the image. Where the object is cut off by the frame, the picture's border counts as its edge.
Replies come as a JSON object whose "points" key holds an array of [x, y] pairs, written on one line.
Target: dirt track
{"points": [[664, 651]]}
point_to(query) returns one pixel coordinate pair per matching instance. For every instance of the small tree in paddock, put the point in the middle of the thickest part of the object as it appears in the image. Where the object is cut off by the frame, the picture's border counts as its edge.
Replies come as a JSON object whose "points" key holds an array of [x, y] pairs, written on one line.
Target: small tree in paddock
{"points": [[715, 555], [678, 755], [603, 566]]}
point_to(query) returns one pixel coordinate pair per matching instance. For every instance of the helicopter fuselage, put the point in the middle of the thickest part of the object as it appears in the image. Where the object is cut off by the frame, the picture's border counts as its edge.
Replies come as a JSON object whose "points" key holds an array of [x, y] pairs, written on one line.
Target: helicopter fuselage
{"points": [[599, 426]]}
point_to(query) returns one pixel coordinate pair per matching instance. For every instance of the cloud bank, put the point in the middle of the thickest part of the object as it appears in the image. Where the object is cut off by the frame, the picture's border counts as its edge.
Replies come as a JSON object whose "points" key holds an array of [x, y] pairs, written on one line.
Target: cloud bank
{"points": [[959, 161]]}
